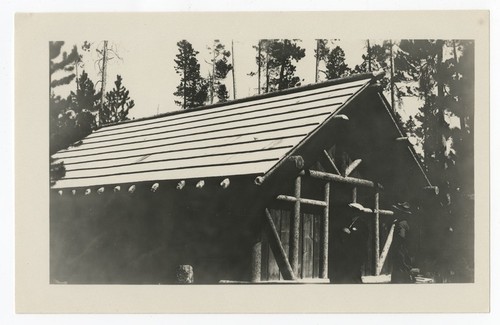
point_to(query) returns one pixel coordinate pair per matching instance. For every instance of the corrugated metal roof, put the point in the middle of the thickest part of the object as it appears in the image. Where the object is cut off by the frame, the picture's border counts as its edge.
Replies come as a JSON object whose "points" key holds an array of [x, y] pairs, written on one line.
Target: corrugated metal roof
{"points": [[237, 138]]}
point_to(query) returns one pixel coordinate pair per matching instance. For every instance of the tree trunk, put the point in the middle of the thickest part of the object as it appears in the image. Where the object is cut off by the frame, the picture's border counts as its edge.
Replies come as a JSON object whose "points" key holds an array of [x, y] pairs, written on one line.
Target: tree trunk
{"points": [[103, 79]]}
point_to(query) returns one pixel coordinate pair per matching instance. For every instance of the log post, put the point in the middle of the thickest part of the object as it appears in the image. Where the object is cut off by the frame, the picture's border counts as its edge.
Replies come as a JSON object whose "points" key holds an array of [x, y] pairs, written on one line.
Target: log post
{"points": [[256, 260], [376, 237], [295, 229], [323, 266], [354, 195]]}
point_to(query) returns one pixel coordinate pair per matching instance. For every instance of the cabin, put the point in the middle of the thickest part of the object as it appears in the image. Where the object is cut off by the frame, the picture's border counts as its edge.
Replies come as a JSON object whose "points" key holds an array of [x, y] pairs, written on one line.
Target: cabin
{"points": [[253, 190]]}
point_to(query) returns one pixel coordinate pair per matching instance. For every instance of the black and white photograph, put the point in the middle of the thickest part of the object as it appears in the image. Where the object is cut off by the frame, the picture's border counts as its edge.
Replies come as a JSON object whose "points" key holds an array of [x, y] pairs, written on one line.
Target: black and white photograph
{"points": [[241, 162], [325, 161]]}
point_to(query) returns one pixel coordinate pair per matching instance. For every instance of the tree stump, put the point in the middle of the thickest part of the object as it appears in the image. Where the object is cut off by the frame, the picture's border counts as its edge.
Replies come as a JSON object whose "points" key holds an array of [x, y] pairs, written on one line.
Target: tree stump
{"points": [[185, 274]]}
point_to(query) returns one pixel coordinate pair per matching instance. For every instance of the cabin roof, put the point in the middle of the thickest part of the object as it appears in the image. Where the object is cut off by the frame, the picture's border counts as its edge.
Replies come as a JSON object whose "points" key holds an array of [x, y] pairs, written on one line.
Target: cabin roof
{"points": [[242, 137]]}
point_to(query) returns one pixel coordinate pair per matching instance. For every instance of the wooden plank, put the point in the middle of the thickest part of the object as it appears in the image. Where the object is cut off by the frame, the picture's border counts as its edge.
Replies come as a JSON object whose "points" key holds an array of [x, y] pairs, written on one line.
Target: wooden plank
{"points": [[301, 200], [179, 145], [257, 113], [316, 245], [328, 91], [308, 122], [307, 248], [192, 153], [198, 172], [273, 268], [179, 164], [291, 118], [295, 229]]}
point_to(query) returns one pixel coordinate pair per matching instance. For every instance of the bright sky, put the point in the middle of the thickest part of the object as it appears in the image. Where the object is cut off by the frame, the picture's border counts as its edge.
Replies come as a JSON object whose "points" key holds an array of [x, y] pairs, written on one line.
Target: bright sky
{"points": [[148, 69]]}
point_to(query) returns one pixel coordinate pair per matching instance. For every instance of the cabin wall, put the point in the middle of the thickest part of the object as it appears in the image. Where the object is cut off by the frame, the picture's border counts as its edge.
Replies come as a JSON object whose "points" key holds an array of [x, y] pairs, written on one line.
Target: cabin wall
{"points": [[142, 238]]}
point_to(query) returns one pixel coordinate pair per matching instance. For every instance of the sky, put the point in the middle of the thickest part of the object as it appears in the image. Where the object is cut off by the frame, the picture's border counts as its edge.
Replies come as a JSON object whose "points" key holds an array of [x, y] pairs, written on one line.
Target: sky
{"points": [[147, 68]]}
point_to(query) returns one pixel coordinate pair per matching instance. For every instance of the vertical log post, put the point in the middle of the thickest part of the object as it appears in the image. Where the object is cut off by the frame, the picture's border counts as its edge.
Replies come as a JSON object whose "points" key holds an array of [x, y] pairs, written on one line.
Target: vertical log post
{"points": [[376, 237], [323, 266], [295, 229], [354, 195], [256, 259]]}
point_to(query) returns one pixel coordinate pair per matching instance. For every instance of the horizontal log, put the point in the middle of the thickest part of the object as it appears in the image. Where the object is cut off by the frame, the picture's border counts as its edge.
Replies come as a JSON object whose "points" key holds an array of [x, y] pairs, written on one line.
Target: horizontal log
{"points": [[155, 187], [337, 178], [292, 163], [117, 188], [131, 189], [384, 212], [200, 184], [88, 191], [60, 192], [73, 192], [301, 200], [100, 190]]}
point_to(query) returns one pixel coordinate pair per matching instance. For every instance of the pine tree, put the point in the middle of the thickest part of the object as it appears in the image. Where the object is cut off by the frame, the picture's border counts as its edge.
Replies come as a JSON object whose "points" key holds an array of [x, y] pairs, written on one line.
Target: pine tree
{"points": [[281, 70], [193, 89], [335, 66], [220, 67], [117, 104]]}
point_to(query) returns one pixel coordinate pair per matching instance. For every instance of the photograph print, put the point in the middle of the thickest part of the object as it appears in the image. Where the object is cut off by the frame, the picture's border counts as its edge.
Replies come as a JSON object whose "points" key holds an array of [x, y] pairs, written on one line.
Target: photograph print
{"points": [[261, 161]]}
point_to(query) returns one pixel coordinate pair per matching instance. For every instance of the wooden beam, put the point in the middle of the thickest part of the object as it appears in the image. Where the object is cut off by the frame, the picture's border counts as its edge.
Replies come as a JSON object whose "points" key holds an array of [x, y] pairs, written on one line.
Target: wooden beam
{"points": [[301, 200], [352, 166], [200, 184], [384, 212], [323, 263], [354, 195], [376, 237], [131, 189], [385, 250], [88, 191], [292, 163], [100, 190], [256, 260], [295, 228], [60, 192], [329, 159], [155, 187], [434, 189], [278, 250], [73, 192], [337, 178], [117, 188]]}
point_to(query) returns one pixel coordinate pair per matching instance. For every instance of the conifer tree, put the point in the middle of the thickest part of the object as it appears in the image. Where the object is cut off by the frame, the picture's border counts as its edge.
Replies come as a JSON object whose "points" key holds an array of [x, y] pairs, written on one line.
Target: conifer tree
{"points": [[193, 89]]}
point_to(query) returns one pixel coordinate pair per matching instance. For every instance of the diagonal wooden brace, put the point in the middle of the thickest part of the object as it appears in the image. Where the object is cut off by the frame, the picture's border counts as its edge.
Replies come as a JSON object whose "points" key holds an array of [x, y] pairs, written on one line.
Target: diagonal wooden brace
{"points": [[278, 251]]}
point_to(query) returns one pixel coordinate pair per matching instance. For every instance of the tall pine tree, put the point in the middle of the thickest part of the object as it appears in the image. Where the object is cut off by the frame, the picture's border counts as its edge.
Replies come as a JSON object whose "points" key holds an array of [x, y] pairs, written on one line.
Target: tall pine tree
{"points": [[193, 89]]}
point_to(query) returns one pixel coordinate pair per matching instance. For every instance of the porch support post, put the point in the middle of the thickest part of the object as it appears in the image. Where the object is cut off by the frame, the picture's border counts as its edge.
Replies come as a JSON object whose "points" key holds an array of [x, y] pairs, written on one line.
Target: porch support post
{"points": [[295, 228], [256, 259], [323, 266], [376, 236]]}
